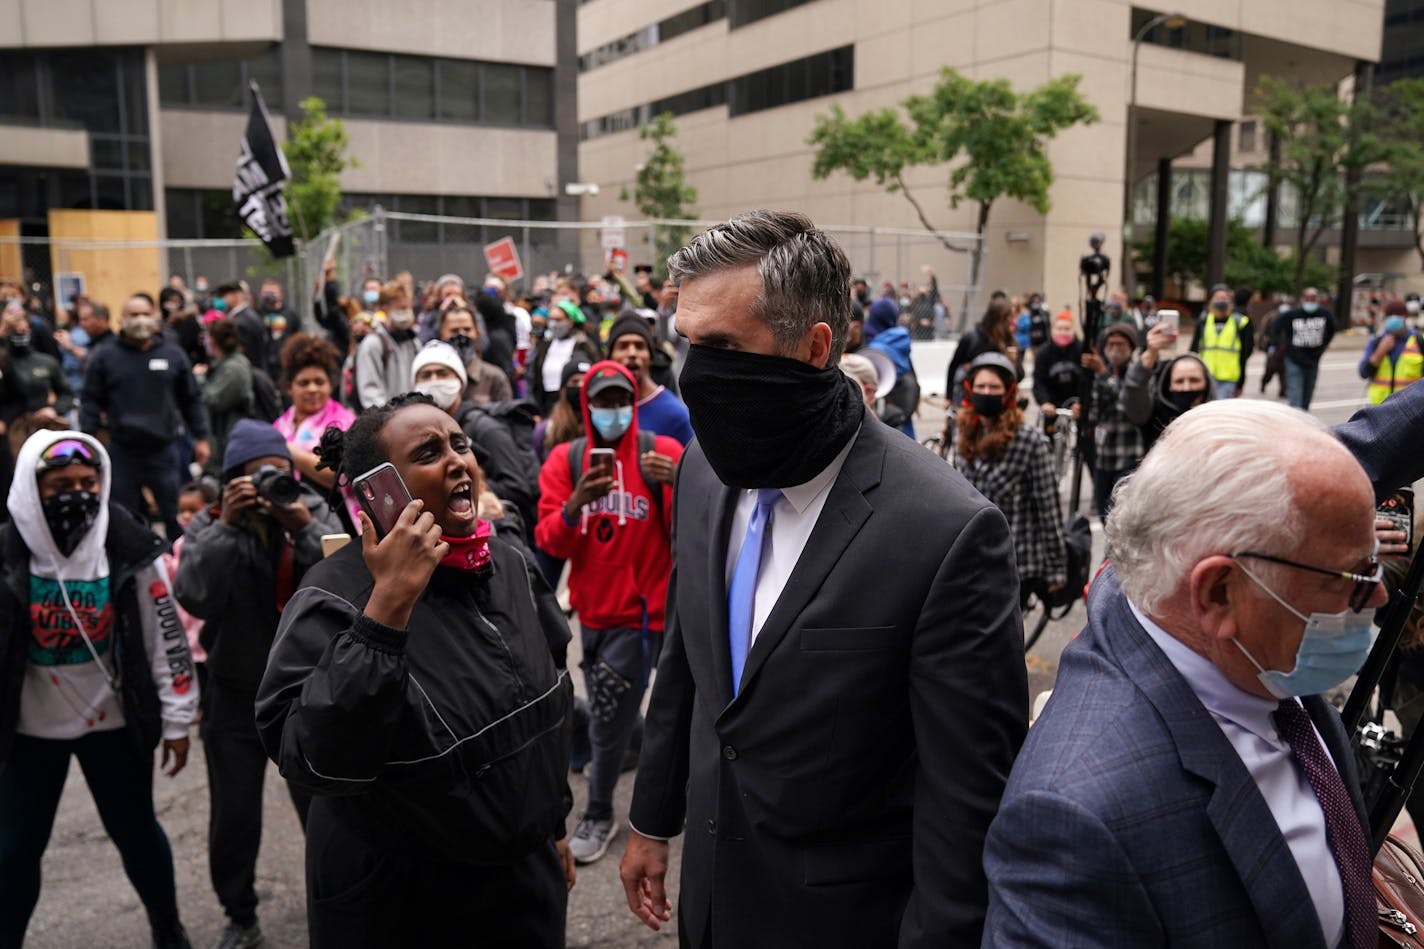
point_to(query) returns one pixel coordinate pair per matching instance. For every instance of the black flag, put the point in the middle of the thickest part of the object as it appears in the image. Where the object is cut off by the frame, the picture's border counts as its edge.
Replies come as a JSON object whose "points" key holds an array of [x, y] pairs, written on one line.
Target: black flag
{"points": [[257, 188]]}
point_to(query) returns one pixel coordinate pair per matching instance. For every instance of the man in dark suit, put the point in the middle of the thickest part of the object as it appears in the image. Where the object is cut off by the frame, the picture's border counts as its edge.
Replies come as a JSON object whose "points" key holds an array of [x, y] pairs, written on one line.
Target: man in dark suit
{"points": [[1186, 784], [842, 688]]}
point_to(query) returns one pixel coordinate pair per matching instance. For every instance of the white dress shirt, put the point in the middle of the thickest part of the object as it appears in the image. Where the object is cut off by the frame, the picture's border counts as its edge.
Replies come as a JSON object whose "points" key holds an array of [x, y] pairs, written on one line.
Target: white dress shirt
{"points": [[1246, 721], [793, 517]]}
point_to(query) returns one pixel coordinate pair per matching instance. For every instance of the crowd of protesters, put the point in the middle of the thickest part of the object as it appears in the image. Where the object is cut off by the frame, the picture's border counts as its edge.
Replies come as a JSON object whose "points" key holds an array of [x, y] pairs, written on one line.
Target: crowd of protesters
{"points": [[189, 544]]}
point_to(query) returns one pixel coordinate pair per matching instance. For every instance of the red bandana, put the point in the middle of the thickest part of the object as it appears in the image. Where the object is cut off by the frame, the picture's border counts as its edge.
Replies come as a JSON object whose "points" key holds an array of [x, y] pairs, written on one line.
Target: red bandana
{"points": [[468, 553]]}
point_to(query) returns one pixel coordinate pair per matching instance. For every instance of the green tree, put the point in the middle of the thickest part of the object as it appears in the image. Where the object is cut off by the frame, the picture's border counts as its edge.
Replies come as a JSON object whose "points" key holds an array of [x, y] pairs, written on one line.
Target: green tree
{"points": [[1402, 137], [1323, 138], [660, 190], [316, 153], [1249, 263], [994, 139]]}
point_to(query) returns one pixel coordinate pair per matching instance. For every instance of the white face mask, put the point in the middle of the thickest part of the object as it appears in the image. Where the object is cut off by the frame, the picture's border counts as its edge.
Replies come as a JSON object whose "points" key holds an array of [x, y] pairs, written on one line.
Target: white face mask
{"points": [[445, 393], [401, 319]]}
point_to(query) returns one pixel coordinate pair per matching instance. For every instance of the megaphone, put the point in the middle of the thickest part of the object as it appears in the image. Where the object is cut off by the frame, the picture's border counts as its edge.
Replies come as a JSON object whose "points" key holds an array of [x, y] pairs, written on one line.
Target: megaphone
{"points": [[884, 371]]}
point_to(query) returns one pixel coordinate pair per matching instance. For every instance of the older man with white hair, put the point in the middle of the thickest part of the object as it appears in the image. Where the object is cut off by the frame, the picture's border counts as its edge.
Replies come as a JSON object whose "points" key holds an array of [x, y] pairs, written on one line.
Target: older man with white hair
{"points": [[1186, 784]]}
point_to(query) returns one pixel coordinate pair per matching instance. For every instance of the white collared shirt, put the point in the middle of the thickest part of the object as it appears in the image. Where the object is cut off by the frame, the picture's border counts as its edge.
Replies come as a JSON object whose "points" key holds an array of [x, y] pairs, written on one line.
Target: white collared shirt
{"points": [[793, 517], [1246, 721]]}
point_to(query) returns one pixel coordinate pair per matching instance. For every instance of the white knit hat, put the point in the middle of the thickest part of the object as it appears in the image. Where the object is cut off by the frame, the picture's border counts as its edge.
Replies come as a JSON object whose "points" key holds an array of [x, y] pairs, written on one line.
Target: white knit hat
{"points": [[442, 353]]}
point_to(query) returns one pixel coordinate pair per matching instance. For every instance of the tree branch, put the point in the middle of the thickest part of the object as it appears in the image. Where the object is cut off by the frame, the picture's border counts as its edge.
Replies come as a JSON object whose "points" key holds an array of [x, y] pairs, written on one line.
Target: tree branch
{"points": [[900, 183]]}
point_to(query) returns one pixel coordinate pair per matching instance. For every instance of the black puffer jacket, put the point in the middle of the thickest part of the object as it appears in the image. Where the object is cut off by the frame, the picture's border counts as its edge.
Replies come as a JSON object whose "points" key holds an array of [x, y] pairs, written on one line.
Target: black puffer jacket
{"points": [[449, 738], [227, 577]]}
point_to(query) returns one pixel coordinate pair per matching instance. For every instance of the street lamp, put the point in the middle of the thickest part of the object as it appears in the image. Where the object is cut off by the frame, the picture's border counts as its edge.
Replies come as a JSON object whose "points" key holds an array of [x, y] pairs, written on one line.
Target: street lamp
{"points": [[1174, 21]]}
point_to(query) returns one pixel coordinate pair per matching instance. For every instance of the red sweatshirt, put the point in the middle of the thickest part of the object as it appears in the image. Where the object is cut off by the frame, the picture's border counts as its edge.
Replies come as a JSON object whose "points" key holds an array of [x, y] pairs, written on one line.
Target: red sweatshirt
{"points": [[619, 551]]}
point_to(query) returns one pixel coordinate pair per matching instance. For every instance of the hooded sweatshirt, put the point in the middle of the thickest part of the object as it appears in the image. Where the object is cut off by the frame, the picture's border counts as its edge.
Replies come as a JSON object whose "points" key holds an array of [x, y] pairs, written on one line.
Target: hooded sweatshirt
{"points": [[70, 685], [1145, 399], [619, 549]]}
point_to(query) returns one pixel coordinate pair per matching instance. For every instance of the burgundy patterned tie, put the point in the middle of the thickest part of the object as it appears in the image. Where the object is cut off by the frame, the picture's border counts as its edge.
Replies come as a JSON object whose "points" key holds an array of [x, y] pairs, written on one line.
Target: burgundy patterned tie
{"points": [[1342, 825]]}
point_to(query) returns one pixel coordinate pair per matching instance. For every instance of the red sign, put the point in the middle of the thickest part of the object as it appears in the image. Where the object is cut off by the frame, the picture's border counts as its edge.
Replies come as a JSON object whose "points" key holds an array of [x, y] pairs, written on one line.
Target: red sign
{"points": [[503, 259]]}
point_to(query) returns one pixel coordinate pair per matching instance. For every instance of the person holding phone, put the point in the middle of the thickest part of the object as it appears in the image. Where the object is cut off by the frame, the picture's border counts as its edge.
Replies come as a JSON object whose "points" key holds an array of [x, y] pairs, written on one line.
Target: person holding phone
{"points": [[604, 505], [413, 690], [1156, 392]]}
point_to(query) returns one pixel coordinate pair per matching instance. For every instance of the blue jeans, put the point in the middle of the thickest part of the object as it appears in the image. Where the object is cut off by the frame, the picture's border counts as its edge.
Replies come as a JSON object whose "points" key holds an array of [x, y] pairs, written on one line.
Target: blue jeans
{"points": [[1226, 390], [1300, 383], [120, 779]]}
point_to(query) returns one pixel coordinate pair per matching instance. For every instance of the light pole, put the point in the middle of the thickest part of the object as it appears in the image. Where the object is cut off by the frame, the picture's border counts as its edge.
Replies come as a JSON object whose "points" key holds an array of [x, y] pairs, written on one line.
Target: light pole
{"points": [[1173, 21]]}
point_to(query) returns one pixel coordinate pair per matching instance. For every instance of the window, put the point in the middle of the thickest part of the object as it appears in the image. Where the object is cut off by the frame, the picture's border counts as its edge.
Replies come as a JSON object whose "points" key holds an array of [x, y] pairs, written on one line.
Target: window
{"points": [[650, 36], [459, 90], [327, 79], [368, 83], [220, 84], [362, 83], [418, 232], [19, 87], [819, 75], [83, 86], [415, 87], [502, 98], [742, 12], [1247, 141]]}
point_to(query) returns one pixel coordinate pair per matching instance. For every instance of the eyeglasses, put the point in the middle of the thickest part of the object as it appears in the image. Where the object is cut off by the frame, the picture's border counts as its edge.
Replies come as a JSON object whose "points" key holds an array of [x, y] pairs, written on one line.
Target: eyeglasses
{"points": [[1365, 586], [66, 452]]}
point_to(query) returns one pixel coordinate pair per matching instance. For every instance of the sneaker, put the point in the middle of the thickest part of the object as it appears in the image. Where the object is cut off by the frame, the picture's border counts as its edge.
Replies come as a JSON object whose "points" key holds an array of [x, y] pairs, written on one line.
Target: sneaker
{"points": [[169, 934], [238, 936], [591, 840]]}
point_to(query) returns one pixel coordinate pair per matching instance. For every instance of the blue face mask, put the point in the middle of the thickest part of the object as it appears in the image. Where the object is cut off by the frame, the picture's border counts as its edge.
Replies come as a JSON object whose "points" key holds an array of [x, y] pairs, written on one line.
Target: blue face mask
{"points": [[371, 297], [1310, 306], [1394, 324], [1332, 649], [612, 423], [220, 305]]}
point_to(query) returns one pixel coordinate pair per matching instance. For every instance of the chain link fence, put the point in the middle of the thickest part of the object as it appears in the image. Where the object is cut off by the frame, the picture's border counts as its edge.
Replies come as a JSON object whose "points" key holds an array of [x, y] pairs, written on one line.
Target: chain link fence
{"points": [[381, 244]]}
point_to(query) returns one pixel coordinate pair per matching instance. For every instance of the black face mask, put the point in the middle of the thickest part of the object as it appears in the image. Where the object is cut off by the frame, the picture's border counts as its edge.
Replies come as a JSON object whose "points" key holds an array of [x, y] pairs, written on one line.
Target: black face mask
{"points": [[1221, 306], [70, 516], [768, 421], [571, 396], [987, 405], [19, 343], [1182, 401], [463, 345]]}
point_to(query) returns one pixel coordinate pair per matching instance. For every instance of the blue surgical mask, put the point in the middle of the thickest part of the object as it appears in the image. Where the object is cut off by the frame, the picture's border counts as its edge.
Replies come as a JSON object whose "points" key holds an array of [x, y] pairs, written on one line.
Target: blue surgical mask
{"points": [[1332, 649], [1310, 306], [612, 423], [1394, 324], [371, 297]]}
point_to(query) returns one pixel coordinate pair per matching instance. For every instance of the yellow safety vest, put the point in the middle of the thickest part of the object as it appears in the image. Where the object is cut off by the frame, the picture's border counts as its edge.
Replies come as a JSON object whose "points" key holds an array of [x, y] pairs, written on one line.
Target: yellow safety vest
{"points": [[1393, 375], [1221, 349]]}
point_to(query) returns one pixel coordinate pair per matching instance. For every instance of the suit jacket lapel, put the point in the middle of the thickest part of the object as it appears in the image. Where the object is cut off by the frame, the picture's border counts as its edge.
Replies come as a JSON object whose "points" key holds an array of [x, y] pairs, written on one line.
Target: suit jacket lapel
{"points": [[1243, 822], [719, 529], [845, 511]]}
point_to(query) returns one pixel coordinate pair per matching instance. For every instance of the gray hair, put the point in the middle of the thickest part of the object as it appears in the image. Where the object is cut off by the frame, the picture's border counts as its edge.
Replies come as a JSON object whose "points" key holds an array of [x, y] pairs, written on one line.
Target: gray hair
{"points": [[805, 276], [1216, 482]]}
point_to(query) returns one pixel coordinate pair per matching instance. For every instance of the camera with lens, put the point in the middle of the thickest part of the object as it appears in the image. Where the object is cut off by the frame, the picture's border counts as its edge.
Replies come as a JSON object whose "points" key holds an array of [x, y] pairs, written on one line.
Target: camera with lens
{"points": [[276, 486]]}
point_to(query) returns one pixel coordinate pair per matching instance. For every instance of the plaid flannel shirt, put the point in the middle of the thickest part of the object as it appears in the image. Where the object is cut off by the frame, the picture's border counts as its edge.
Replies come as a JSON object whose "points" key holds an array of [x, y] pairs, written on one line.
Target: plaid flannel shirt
{"points": [[1022, 485], [1118, 441]]}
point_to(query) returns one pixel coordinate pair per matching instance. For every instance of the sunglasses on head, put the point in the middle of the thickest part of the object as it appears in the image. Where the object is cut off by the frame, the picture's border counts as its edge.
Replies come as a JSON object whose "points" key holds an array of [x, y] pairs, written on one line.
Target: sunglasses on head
{"points": [[66, 452]]}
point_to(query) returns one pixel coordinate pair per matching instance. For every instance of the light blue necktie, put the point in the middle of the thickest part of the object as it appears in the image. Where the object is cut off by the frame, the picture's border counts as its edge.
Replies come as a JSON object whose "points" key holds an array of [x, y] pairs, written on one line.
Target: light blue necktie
{"points": [[741, 595]]}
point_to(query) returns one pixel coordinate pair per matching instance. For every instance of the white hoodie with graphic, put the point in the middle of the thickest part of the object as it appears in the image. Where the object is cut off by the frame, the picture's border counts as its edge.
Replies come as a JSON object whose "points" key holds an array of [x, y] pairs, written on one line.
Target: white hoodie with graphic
{"points": [[71, 679]]}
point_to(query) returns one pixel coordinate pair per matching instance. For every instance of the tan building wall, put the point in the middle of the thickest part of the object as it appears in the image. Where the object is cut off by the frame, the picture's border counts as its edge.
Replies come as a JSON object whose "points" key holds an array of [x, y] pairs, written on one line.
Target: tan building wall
{"points": [[42, 23], [509, 30], [762, 158]]}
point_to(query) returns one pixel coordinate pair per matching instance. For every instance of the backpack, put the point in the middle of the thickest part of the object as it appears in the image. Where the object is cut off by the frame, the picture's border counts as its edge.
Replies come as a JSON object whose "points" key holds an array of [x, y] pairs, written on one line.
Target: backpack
{"points": [[517, 415], [647, 441], [1078, 541], [266, 400]]}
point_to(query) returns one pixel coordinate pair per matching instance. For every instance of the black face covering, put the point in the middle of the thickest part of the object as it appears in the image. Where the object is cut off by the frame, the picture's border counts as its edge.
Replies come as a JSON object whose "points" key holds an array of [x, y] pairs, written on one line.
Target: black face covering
{"points": [[571, 396], [70, 516], [19, 343], [1185, 400], [987, 404], [768, 421]]}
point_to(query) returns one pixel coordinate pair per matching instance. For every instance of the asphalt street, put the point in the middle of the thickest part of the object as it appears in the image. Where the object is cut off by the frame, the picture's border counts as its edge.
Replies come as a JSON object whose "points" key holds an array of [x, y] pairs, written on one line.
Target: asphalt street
{"points": [[86, 900]]}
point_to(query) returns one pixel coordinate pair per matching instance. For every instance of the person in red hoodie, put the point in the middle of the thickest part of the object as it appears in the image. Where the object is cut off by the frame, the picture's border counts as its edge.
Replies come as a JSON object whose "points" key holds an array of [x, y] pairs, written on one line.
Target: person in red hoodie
{"points": [[613, 527]]}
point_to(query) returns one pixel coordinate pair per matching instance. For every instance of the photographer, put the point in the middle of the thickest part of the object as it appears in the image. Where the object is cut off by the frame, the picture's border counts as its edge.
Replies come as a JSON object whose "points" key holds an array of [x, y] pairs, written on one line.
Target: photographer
{"points": [[241, 562]]}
